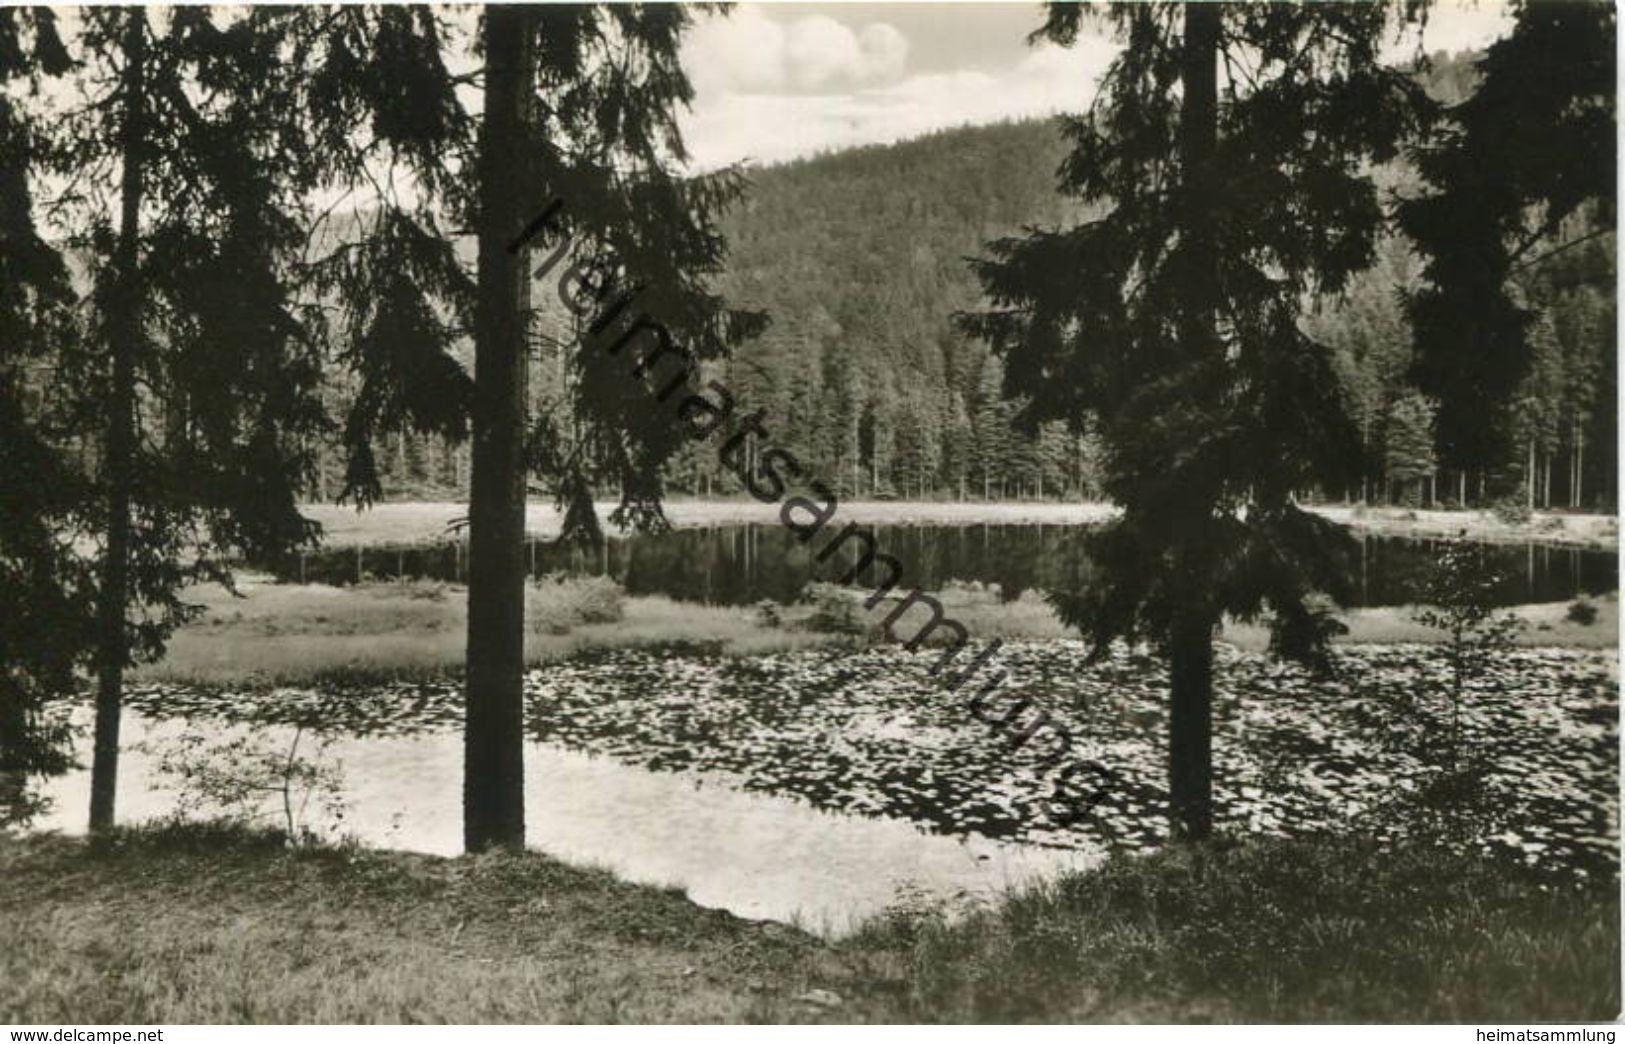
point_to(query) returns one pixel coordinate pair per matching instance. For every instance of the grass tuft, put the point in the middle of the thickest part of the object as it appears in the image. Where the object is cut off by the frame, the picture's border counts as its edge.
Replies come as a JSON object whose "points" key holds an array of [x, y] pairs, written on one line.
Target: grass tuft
{"points": [[1329, 930]]}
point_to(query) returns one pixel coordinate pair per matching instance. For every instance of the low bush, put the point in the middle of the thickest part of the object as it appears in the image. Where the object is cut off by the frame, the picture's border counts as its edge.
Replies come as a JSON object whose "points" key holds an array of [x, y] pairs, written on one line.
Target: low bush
{"points": [[768, 613], [557, 604], [1512, 511], [252, 780], [1581, 612], [836, 610]]}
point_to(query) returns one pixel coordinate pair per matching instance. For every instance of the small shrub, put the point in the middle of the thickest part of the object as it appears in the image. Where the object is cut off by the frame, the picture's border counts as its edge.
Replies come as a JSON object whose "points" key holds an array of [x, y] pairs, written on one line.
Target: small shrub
{"points": [[1460, 598], [250, 781], [769, 613], [1454, 799], [1581, 612], [1512, 511], [835, 610], [557, 603]]}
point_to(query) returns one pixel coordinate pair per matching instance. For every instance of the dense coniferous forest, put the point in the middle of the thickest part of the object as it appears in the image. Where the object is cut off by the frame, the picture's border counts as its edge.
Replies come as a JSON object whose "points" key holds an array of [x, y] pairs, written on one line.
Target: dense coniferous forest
{"points": [[859, 257]]}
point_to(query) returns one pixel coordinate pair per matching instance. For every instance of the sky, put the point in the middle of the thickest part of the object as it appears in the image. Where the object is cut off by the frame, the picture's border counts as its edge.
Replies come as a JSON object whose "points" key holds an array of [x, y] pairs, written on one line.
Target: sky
{"points": [[778, 81]]}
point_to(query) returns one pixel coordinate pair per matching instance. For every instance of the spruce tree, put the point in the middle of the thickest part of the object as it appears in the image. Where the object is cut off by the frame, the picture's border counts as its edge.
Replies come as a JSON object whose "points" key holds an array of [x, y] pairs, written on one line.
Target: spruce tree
{"points": [[1225, 154], [1408, 445], [1515, 160], [580, 109], [198, 367], [47, 630]]}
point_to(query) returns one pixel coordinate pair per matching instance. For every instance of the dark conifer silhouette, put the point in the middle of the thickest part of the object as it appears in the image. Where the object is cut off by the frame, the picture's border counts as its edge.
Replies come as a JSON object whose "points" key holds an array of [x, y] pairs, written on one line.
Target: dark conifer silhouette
{"points": [[580, 108], [46, 630], [1226, 148], [1517, 159], [196, 362]]}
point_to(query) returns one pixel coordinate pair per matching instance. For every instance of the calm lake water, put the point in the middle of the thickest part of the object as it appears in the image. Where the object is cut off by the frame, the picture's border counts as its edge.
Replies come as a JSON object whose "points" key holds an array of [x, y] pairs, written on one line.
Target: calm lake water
{"points": [[759, 856], [743, 564]]}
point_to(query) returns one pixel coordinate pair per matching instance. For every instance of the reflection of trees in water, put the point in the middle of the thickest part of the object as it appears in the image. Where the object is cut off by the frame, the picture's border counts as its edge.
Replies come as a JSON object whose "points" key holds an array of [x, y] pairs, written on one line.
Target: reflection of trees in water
{"points": [[744, 564]]}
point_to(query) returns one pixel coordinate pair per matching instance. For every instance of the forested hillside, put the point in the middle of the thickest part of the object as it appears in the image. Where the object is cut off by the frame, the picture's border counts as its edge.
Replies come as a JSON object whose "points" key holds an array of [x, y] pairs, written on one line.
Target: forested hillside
{"points": [[859, 258]]}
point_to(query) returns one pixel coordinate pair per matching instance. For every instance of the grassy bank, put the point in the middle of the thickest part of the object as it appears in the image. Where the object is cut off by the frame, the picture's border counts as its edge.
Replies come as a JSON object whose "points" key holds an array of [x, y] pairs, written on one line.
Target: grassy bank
{"points": [[205, 925], [303, 633], [1546, 625], [423, 521], [295, 634], [1325, 931]]}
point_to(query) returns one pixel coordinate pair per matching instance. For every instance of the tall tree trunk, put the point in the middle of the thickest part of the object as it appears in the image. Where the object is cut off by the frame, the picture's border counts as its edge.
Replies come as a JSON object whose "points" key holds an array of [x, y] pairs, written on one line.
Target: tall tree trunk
{"points": [[1529, 476], [493, 747], [1190, 728], [1190, 644], [857, 458], [1579, 463], [125, 335]]}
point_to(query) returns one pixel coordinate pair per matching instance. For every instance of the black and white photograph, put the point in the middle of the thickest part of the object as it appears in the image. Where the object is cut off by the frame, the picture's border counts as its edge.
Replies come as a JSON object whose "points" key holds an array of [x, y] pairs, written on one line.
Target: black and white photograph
{"points": [[784, 512]]}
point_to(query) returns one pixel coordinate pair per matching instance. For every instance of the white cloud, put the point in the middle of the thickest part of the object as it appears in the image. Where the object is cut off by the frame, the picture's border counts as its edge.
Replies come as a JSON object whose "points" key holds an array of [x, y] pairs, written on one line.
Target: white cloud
{"points": [[749, 51], [769, 92], [821, 51], [727, 127], [744, 52], [885, 50]]}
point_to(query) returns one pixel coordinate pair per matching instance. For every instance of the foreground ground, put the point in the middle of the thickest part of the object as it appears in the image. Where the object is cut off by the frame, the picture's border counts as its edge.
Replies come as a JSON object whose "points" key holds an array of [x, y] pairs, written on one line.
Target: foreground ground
{"points": [[207, 925], [420, 521]]}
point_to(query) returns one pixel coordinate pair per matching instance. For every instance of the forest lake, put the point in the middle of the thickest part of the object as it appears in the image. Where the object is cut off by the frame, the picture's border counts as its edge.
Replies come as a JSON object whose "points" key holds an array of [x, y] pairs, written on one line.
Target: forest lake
{"points": [[815, 789]]}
